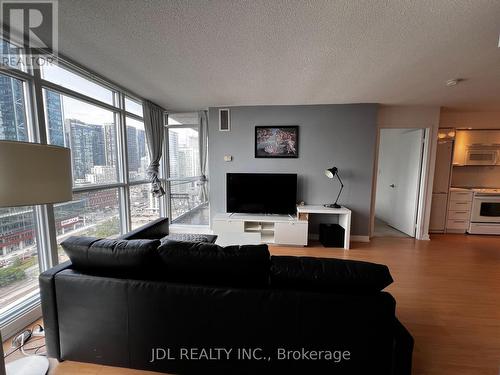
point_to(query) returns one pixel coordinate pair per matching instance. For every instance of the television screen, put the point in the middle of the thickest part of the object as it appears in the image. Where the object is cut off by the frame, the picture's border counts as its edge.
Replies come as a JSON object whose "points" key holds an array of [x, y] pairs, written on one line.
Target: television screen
{"points": [[261, 193]]}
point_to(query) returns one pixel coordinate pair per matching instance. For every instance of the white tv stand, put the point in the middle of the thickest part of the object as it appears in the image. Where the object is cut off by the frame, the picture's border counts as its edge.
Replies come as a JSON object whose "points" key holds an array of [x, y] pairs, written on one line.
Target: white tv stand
{"points": [[239, 229]]}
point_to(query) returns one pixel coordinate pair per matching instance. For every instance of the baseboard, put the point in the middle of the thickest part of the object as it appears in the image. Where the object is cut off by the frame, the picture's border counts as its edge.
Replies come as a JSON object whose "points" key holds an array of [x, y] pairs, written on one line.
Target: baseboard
{"points": [[354, 238], [360, 238]]}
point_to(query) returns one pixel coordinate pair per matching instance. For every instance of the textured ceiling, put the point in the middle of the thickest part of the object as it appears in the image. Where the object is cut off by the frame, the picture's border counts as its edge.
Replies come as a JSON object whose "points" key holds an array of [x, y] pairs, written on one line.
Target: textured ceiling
{"points": [[194, 54]]}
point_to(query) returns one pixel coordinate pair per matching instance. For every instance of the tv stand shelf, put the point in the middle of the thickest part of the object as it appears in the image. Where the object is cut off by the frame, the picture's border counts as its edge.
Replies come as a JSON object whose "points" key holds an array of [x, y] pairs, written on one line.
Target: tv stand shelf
{"points": [[237, 229]]}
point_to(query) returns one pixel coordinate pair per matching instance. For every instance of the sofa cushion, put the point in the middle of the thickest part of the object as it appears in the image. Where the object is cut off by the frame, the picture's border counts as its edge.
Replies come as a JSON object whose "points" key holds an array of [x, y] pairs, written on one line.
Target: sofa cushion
{"points": [[112, 256], [206, 263], [190, 237], [331, 275]]}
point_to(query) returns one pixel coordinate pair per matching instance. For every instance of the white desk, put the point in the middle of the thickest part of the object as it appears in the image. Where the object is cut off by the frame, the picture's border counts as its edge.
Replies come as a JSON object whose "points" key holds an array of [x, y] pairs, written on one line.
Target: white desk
{"points": [[344, 215]]}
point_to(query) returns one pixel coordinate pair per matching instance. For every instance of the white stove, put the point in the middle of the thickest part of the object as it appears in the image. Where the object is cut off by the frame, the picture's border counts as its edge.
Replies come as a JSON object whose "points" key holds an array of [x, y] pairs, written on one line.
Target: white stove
{"points": [[485, 214]]}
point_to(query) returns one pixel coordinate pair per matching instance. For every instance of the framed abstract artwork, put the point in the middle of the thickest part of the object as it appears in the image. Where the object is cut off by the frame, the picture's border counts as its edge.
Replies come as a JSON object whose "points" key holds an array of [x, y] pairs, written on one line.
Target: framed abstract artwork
{"points": [[276, 141]]}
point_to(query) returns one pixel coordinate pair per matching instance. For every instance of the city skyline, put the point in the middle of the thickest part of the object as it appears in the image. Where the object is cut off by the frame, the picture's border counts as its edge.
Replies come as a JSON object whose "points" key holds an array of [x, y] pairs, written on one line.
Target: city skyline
{"points": [[91, 134]]}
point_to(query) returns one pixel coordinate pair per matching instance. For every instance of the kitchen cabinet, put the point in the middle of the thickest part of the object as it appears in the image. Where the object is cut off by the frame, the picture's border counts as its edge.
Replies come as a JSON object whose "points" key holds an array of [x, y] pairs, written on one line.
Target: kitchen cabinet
{"points": [[443, 167], [440, 187], [466, 140], [459, 210], [438, 212]]}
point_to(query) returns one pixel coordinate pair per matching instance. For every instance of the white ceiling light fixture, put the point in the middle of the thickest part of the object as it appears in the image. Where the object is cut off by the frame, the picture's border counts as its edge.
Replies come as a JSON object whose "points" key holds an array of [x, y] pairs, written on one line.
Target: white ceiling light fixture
{"points": [[453, 82]]}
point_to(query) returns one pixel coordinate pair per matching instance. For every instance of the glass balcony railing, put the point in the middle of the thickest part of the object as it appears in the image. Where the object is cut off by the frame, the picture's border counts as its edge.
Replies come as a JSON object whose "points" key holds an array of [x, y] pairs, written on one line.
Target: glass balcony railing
{"points": [[188, 205]]}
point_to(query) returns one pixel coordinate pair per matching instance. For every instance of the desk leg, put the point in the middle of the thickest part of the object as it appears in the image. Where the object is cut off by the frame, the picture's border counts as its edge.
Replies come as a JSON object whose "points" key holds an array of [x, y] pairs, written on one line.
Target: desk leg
{"points": [[345, 222]]}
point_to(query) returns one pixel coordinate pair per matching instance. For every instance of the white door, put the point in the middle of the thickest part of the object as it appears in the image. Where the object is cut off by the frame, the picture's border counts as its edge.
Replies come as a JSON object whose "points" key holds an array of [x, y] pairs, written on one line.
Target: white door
{"points": [[398, 179]]}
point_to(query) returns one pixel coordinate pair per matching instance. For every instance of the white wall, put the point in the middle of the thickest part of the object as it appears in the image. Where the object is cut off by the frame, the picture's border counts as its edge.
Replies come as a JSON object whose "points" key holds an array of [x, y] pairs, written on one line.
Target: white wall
{"points": [[413, 117]]}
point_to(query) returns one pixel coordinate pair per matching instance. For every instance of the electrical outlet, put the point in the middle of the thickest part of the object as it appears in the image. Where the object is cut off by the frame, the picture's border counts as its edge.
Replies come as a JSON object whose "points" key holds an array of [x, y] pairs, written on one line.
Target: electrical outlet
{"points": [[228, 158]]}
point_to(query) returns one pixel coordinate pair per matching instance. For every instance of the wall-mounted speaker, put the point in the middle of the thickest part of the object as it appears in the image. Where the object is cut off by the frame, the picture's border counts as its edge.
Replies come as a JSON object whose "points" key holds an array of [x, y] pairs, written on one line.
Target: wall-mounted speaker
{"points": [[224, 120]]}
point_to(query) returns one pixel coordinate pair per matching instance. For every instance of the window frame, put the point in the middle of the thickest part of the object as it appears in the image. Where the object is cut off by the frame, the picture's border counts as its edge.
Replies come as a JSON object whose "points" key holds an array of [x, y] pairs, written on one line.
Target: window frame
{"points": [[28, 308]]}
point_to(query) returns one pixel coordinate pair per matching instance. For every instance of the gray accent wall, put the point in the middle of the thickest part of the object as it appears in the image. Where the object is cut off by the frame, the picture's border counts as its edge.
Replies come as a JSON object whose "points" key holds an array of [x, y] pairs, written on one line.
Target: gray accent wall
{"points": [[343, 135]]}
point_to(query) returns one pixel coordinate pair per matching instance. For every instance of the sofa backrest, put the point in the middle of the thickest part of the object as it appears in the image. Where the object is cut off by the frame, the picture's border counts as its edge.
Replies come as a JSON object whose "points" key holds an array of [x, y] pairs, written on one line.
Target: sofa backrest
{"points": [[206, 263], [176, 261], [112, 257], [249, 266], [329, 275]]}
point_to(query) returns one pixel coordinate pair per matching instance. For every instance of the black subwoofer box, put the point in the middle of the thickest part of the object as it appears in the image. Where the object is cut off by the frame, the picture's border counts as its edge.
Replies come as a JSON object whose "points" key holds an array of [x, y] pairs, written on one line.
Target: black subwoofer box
{"points": [[331, 235]]}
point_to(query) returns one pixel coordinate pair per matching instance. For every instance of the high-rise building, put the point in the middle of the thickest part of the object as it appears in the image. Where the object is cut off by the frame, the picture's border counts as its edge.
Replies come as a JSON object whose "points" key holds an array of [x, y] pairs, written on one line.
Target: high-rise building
{"points": [[13, 124], [110, 144], [141, 143], [173, 139], [87, 145], [55, 122], [98, 144], [132, 149]]}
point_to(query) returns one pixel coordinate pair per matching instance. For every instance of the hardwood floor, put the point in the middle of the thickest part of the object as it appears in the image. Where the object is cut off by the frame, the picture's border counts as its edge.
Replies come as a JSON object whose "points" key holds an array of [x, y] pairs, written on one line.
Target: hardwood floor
{"points": [[448, 296]]}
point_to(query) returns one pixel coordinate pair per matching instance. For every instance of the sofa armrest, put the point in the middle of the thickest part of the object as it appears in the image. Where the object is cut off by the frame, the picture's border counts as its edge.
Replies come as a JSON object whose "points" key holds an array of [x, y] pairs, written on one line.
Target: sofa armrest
{"points": [[154, 230], [402, 350], [49, 308]]}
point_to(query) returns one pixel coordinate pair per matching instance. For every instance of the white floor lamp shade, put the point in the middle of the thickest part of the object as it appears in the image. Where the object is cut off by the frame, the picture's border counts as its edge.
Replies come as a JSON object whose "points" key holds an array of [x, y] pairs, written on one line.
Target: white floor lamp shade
{"points": [[31, 174]]}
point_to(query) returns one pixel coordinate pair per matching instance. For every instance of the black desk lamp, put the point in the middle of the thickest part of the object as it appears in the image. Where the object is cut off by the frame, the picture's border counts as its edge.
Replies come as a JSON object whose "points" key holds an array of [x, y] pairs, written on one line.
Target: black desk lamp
{"points": [[330, 173]]}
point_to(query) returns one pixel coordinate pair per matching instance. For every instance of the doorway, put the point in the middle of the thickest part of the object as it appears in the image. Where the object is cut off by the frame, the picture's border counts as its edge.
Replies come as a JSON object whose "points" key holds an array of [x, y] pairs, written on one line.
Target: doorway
{"points": [[399, 173]]}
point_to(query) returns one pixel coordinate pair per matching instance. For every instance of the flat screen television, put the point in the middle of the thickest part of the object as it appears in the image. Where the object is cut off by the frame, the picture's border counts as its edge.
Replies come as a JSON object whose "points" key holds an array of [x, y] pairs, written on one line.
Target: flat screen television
{"points": [[261, 193]]}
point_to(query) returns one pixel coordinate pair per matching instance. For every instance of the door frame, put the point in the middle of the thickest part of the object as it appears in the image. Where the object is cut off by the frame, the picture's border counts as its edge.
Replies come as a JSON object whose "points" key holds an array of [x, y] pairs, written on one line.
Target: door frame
{"points": [[425, 167]]}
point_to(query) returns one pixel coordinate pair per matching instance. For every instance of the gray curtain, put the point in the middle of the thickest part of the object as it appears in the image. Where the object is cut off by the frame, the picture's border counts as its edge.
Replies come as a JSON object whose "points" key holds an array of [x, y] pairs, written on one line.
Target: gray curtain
{"points": [[155, 130], [203, 139]]}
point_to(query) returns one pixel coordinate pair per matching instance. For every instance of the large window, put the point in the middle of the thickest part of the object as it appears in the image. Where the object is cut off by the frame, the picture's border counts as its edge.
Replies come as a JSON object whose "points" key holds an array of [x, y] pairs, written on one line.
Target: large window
{"points": [[76, 82], [143, 206], [137, 150], [11, 55], [133, 106], [13, 115], [103, 126], [95, 213], [19, 267], [89, 131]]}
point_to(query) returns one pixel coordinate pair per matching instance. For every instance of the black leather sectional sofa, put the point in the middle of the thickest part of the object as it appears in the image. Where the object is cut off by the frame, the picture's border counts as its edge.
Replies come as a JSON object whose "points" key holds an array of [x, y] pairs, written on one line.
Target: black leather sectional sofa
{"points": [[197, 308]]}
